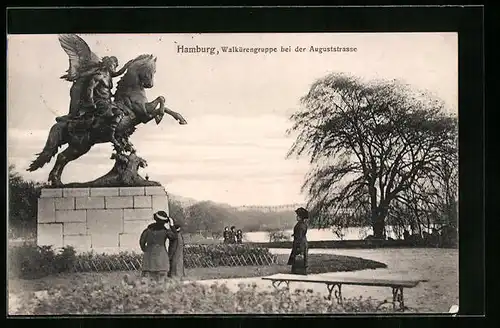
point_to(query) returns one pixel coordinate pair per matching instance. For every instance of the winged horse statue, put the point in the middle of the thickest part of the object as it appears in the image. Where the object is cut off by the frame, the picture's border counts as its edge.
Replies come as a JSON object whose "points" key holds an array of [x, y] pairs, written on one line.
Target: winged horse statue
{"points": [[97, 116]]}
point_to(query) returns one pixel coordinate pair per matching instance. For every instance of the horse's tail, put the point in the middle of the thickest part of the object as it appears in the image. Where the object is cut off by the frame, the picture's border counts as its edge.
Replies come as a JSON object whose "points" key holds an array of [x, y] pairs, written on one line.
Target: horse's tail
{"points": [[54, 141]]}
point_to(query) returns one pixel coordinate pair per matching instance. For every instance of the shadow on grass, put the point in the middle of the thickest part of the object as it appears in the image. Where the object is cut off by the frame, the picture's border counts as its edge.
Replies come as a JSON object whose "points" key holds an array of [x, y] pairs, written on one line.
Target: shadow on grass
{"points": [[322, 263], [318, 263]]}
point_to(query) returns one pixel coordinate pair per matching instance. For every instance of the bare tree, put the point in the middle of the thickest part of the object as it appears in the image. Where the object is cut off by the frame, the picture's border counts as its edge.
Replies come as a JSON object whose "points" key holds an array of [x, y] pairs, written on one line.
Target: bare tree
{"points": [[433, 198], [367, 142]]}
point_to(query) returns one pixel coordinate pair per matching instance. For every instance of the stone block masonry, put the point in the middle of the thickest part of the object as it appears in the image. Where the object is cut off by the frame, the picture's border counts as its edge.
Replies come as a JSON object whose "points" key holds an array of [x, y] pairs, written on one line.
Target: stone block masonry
{"points": [[106, 220]]}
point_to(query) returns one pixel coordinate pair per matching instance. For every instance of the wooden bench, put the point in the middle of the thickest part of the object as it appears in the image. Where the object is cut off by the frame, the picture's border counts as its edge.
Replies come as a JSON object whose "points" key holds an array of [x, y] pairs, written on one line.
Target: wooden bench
{"points": [[334, 284]]}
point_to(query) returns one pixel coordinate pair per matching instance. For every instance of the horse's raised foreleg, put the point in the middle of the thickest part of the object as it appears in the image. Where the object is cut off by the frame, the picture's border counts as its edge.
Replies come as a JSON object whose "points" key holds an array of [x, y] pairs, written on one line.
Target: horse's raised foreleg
{"points": [[151, 107], [147, 111], [175, 115], [154, 111], [69, 154]]}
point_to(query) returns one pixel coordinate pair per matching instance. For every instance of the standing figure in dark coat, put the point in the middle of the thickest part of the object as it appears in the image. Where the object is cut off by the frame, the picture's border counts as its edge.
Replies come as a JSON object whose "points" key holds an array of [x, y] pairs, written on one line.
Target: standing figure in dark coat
{"points": [[239, 236], [298, 256], [176, 253], [155, 261], [226, 236]]}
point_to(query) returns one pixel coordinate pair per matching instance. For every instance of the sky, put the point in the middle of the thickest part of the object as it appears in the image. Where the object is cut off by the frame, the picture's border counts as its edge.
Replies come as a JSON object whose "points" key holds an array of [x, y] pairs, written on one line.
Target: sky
{"points": [[237, 105]]}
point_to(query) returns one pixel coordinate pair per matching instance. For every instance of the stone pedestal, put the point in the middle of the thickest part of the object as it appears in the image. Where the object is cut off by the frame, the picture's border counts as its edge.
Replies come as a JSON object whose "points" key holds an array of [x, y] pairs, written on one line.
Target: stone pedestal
{"points": [[105, 220]]}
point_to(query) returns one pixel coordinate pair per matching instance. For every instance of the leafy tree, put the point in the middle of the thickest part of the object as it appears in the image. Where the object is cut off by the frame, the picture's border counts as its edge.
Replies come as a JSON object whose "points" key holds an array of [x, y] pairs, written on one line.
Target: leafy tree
{"points": [[207, 217], [254, 220], [210, 218], [23, 198], [176, 211], [278, 235], [368, 142]]}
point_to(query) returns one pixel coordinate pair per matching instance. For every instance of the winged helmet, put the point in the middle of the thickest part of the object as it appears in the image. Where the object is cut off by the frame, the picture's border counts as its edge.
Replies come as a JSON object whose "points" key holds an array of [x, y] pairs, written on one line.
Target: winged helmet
{"points": [[81, 58]]}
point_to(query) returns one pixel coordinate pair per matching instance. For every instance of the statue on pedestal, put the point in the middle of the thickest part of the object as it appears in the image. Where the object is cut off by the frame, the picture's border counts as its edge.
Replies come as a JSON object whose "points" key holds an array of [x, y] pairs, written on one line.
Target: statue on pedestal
{"points": [[97, 116]]}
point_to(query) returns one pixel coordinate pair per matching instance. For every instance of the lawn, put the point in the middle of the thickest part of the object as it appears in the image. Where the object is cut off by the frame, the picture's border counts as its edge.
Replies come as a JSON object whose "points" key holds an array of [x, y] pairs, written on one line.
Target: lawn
{"points": [[318, 263]]}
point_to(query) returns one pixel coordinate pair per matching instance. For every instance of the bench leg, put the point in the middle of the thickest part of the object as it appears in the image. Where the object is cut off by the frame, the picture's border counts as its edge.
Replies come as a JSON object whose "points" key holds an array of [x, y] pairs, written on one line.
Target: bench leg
{"points": [[337, 292], [397, 296]]}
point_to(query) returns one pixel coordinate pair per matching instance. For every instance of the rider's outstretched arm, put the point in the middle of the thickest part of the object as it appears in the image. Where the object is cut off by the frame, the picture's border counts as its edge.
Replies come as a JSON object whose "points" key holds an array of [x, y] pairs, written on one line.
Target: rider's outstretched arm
{"points": [[123, 69]]}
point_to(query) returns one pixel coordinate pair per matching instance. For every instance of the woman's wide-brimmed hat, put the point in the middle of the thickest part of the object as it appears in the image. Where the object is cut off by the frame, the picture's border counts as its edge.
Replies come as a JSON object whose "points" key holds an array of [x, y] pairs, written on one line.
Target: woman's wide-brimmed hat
{"points": [[302, 213], [161, 216]]}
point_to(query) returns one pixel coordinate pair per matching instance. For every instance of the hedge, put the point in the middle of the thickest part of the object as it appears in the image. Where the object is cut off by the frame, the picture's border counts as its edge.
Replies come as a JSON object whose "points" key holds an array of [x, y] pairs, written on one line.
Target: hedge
{"points": [[30, 261]]}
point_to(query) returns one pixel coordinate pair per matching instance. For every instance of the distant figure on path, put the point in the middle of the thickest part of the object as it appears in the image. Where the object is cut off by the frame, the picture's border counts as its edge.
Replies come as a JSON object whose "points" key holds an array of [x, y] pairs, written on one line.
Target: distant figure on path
{"points": [[225, 234], [176, 253], [239, 236], [298, 256], [155, 261]]}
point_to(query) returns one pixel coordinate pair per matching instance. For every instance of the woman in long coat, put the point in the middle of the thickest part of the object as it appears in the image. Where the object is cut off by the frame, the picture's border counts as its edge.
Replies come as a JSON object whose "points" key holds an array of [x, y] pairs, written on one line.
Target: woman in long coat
{"points": [[225, 234], [155, 261], [299, 245], [176, 253]]}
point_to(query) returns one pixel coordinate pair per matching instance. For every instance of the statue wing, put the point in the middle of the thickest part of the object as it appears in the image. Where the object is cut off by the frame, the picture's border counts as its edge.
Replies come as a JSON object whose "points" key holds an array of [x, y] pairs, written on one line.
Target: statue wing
{"points": [[79, 53]]}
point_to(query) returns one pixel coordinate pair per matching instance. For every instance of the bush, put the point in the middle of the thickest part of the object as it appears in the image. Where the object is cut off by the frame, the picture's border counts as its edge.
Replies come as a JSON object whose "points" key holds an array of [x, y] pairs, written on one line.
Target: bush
{"points": [[30, 261], [221, 250], [143, 296], [65, 260], [278, 235]]}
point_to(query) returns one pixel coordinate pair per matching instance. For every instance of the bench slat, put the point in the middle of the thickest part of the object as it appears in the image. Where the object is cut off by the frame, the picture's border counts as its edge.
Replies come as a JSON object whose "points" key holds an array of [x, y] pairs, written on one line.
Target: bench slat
{"points": [[345, 280]]}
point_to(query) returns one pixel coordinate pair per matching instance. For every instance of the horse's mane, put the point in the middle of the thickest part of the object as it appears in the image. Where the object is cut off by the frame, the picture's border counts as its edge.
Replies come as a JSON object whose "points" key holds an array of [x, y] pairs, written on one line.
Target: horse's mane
{"points": [[141, 63]]}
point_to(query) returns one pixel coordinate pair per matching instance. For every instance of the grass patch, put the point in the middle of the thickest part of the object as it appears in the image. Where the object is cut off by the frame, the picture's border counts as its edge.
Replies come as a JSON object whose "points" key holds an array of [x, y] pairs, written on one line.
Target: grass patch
{"points": [[318, 263]]}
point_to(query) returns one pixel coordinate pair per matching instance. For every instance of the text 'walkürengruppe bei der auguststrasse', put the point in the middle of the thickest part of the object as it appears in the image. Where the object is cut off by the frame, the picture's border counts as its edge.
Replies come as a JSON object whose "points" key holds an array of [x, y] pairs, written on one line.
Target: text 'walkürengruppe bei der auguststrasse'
{"points": [[185, 49]]}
